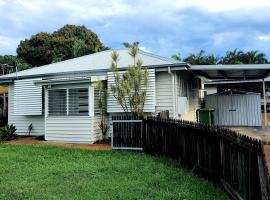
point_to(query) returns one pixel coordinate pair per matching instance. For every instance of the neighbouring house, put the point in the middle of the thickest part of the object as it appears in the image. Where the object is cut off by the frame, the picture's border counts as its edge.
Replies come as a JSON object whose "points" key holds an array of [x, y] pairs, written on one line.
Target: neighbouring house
{"points": [[59, 100]]}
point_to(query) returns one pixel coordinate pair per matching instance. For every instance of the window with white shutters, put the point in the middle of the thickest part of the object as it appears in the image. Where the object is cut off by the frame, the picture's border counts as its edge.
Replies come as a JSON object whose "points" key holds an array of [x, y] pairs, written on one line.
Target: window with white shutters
{"points": [[27, 97]]}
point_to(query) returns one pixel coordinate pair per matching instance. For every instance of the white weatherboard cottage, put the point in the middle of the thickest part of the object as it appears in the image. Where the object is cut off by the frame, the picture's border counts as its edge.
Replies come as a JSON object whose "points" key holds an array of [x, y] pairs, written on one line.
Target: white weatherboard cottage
{"points": [[60, 99]]}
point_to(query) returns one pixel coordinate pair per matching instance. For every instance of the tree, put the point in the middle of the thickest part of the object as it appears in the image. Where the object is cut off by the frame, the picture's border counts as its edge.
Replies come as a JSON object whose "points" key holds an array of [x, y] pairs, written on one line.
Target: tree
{"points": [[232, 57], [37, 50], [129, 88], [12, 62], [102, 103], [68, 42], [239, 57], [201, 59], [129, 45], [176, 57], [254, 57]]}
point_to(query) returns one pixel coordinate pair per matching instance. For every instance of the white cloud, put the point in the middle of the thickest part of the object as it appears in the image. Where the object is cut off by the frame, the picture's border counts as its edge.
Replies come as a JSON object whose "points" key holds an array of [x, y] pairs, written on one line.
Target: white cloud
{"points": [[264, 38], [223, 5], [162, 26], [8, 44]]}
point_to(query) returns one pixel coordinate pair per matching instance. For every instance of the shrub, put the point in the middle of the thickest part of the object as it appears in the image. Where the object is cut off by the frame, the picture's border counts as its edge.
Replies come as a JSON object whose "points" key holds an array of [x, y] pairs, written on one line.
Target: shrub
{"points": [[7, 132]]}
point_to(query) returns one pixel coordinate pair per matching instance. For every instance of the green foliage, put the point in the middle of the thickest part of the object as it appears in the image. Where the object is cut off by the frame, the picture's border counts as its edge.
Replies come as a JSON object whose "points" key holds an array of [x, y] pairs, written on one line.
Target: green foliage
{"points": [[267, 88], [232, 57], [46, 172], [7, 132], [239, 57], [201, 59], [68, 42], [176, 57], [37, 50], [129, 45], [129, 88], [12, 61], [102, 104]]}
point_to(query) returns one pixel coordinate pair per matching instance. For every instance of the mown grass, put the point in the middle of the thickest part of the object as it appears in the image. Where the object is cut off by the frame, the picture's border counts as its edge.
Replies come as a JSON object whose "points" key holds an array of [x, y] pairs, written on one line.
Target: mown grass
{"points": [[46, 172]]}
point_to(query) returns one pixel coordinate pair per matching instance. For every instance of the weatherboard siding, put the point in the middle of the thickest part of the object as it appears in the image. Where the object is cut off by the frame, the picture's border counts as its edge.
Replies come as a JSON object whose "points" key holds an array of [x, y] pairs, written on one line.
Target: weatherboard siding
{"points": [[79, 129], [23, 121], [149, 106], [164, 92]]}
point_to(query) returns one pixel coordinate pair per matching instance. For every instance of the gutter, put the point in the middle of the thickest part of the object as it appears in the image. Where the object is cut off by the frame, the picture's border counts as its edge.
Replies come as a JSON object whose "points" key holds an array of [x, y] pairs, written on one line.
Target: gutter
{"points": [[174, 66]]}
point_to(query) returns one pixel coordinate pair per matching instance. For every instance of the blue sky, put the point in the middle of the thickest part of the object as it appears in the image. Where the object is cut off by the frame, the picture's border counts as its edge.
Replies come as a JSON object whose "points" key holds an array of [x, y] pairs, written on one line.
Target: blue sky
{"points": [[162, 26]]}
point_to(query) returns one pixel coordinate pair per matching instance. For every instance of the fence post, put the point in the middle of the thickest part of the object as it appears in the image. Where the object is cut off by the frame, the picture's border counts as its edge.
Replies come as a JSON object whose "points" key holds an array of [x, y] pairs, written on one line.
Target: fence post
{"points": [[263, 174]]}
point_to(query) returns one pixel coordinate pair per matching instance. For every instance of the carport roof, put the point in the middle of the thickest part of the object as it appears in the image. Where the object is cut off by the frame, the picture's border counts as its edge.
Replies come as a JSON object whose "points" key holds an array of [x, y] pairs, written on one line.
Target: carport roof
{"points": [[232, 72]]}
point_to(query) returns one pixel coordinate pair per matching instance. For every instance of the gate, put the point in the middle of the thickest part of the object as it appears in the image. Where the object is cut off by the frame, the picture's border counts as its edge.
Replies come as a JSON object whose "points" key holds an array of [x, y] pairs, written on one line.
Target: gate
{"points": [[127, 133]]}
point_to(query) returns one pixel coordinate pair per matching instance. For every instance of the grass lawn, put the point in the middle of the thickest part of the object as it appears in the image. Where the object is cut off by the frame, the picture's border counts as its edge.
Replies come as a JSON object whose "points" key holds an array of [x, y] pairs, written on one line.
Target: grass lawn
{"points": [[46, 172]]}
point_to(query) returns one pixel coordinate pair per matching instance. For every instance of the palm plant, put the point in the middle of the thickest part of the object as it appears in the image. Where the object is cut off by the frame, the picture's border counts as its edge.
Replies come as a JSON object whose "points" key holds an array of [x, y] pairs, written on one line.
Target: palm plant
{"points": [[232, 57], [254, 57], [201, 59], [176, 57]]}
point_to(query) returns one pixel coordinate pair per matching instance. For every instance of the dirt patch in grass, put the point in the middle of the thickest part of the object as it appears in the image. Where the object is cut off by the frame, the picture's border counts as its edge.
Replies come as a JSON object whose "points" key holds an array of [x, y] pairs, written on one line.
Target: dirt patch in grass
{"points": [[33, 141]]}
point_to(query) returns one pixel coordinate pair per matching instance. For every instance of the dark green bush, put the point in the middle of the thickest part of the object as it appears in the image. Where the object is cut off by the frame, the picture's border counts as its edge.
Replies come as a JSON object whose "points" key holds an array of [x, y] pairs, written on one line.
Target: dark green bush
{"points": [[7, 132]]}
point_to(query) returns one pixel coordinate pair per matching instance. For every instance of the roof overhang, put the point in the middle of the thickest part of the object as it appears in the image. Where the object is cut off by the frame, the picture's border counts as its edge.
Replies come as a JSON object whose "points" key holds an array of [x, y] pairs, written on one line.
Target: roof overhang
{"points": [[164, 67], [232, 72]]}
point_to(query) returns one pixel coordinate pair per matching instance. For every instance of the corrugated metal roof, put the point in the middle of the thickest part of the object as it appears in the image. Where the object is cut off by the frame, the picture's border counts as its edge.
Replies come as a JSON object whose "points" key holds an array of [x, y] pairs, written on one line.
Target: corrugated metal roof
{"points": [[100, 61], [241, 71]]}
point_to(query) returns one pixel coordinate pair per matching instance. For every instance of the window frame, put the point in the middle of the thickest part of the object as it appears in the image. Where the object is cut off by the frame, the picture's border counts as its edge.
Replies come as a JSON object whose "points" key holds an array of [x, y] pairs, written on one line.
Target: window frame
{"points": [[90, 100]]}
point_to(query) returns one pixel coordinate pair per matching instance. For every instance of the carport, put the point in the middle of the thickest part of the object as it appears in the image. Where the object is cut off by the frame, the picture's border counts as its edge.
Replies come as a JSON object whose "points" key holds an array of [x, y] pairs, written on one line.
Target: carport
{"points": [[228, 73]]}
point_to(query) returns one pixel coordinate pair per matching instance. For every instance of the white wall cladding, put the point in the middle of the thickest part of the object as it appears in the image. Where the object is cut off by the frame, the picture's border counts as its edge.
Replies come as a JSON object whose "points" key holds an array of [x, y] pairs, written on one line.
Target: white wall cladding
{"points": [[164, 92], [188, 86], [27, 97], [114, 107], [79, 129], [235, 109], [22, 122]]}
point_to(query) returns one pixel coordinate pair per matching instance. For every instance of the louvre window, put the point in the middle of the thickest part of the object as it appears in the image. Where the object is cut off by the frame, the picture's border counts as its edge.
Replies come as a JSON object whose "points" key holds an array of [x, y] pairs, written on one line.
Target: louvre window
{"points": [[78, 101], [68, 102], [58, 102]]}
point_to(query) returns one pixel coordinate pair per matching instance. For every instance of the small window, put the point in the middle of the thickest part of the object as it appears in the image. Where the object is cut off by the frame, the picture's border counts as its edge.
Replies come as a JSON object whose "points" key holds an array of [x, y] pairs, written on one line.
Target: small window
{"points": [[57, 102], [78, 101]]}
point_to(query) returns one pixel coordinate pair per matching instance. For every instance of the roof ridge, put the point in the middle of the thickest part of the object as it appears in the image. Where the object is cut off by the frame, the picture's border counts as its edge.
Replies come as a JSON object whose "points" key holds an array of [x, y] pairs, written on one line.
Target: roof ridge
{"points": [[160, 57]]}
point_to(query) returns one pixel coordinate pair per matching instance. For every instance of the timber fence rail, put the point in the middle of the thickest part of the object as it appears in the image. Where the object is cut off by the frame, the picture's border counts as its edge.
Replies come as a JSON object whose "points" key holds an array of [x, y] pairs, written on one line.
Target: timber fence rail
{"points": [[233, 161]]}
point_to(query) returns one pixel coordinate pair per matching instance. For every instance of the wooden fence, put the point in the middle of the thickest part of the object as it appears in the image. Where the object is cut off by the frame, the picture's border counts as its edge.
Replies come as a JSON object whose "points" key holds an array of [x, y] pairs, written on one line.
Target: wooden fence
{"points": [[233, 161]]}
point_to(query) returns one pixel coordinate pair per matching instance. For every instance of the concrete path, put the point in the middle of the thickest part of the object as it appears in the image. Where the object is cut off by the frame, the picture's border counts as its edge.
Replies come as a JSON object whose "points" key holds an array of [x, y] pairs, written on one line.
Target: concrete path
{"points": [[259, 133]]}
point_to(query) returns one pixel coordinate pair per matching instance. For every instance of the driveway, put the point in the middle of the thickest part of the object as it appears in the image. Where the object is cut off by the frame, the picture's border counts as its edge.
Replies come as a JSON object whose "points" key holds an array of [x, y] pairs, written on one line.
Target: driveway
{"points": [[255, 132]]}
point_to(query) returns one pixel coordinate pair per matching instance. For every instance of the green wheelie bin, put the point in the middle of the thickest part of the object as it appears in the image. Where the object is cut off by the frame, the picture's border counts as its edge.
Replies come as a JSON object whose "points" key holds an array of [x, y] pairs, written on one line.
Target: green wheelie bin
{"points": [[205, 116]]}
